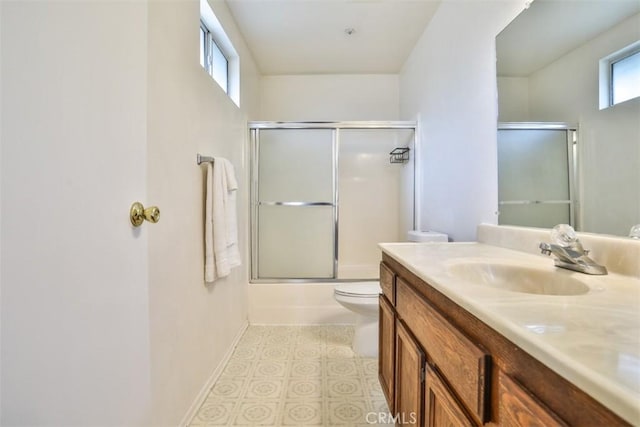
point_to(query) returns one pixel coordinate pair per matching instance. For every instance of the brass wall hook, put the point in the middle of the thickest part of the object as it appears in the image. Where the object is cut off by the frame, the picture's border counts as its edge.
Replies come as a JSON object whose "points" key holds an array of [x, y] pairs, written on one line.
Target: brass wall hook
{"points": [[138, 214]]}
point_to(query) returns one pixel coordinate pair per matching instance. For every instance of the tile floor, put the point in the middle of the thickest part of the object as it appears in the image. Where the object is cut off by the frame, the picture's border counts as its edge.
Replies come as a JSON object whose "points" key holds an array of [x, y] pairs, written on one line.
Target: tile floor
{"points": [[295, 376]]}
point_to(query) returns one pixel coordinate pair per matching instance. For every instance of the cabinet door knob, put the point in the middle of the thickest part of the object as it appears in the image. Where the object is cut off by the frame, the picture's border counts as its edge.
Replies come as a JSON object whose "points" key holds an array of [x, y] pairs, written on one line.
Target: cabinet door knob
{"points": [[138, 214]]}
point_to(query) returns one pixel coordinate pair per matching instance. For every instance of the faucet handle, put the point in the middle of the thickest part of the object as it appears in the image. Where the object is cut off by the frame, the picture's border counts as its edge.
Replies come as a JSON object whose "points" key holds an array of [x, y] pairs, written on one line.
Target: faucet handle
{"points": [[563, 235], [545, 248]]}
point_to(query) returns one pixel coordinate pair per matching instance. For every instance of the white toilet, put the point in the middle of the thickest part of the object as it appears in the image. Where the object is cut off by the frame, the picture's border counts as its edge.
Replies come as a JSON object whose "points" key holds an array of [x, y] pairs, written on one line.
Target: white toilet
{"points": [[362, 299]]}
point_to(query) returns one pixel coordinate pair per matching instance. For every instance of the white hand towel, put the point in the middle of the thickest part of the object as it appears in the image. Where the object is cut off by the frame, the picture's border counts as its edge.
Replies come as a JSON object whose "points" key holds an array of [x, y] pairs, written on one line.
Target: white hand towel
{"points": [[230, 204], [209, 261], [221, 230]]}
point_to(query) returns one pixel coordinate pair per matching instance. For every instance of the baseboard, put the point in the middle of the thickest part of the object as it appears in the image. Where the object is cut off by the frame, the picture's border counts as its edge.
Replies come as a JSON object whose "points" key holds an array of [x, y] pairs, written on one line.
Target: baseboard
{"points": [[206, 388]]}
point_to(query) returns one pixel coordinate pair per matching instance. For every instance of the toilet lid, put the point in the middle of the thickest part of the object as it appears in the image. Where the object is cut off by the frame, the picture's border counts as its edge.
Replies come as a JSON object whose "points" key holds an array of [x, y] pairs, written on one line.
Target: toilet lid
{"points": [[361, 289]]}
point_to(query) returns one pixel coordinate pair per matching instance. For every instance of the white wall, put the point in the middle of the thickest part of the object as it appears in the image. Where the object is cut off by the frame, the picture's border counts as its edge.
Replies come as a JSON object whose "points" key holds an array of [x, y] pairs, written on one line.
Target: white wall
{"points": [[513, 99], [75, 343], [192, 326], [609, 148], [103, 324], [329, 97], [449, 85]]}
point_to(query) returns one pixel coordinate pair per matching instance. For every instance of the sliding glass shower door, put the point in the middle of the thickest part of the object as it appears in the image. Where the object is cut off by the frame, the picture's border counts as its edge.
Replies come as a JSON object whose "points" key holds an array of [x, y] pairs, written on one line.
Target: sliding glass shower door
{"points": [[536, 174], [296, 203], [323, 194]]}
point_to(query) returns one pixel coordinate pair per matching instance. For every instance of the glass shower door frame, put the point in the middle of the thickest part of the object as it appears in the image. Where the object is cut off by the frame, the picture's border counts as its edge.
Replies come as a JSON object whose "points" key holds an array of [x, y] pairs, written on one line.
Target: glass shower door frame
{"points": [[256, 202], [254, 137], [571, 131]]}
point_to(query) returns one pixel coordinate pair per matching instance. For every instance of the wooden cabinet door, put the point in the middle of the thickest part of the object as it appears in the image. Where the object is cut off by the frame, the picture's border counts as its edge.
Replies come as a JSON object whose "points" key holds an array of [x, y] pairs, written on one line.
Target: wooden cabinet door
{"points": [[519, 408], [441, 407], [387, 350], [460, 361], [410, 362]]}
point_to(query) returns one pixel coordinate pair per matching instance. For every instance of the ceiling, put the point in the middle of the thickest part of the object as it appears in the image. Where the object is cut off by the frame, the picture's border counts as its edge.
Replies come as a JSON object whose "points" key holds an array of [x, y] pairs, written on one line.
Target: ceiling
{"points": [[551, 28], [311, 37]]}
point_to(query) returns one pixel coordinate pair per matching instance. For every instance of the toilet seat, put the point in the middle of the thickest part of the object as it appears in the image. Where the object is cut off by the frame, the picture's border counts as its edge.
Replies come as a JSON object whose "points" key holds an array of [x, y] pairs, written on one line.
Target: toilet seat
{"points": [[359, 290]]}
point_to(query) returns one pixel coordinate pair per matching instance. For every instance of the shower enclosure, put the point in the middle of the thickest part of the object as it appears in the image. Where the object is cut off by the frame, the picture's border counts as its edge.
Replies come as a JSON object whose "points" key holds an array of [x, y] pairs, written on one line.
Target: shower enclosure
{"points": [[536, 174], [323, 194]]}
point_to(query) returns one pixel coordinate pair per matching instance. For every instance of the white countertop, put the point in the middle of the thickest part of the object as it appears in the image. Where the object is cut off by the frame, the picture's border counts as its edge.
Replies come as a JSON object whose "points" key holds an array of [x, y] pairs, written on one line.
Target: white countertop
{"points": [[592, 340]]}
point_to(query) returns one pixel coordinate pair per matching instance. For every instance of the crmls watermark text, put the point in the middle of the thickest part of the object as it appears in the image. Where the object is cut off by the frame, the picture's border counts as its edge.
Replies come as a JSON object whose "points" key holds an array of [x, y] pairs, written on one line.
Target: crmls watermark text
{"points": [[399, 418]]}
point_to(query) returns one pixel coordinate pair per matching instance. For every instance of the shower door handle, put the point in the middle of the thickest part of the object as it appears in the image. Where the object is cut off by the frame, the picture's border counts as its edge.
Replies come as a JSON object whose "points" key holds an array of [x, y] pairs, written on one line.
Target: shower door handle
{"points": [[296, 204]]}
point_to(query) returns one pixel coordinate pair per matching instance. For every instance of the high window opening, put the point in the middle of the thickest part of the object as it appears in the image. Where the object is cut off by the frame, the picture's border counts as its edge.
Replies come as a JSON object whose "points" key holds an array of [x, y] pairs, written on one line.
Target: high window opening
{"points": [[217, 55], [625, 78], [620, 76]]}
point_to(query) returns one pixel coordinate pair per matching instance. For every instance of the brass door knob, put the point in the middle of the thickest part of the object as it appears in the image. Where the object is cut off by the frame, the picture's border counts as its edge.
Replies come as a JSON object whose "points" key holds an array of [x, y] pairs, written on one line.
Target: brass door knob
{"points": [[138, 214]]}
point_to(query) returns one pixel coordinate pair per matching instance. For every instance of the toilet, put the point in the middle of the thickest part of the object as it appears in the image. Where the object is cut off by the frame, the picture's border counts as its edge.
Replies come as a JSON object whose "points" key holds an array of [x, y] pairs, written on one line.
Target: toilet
{"points": [[362, 299]]}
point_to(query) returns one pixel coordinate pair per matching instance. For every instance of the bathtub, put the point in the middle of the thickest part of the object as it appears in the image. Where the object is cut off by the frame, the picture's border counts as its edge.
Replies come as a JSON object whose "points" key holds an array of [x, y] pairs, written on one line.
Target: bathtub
{"points": [[308, 303]]}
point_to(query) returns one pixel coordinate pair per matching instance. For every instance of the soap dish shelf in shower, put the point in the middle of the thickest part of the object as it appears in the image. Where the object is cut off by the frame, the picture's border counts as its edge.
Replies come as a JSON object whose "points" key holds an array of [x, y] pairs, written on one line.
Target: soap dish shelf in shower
{"points": [[399, 155]]}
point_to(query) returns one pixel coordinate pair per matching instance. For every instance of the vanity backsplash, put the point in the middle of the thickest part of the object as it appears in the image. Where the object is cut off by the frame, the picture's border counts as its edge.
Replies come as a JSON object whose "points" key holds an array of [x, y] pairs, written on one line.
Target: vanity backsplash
{"points": [[620, 255]]}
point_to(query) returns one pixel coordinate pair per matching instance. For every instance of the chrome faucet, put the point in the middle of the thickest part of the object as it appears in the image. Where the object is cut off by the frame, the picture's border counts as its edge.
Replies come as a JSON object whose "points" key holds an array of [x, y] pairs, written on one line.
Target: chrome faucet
{"points": [[569, 251]]}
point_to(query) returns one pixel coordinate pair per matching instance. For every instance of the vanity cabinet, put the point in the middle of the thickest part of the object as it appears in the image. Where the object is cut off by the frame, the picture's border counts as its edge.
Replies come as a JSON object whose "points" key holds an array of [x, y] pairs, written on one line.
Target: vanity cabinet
{"points": [[441, 366], [519, 408], [458, 359], [387, 350], [410, 373], [441, 407]]}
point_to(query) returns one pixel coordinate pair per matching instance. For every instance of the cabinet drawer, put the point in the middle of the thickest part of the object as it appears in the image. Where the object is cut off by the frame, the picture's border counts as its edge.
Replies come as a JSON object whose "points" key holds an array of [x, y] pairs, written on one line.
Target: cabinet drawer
{"points": [[387, 283], [463, 364], [519, 408]]}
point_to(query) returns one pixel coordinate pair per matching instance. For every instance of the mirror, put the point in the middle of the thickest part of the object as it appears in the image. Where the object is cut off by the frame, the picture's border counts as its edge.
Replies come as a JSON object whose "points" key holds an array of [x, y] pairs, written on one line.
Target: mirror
{"points": [[548, 66]]}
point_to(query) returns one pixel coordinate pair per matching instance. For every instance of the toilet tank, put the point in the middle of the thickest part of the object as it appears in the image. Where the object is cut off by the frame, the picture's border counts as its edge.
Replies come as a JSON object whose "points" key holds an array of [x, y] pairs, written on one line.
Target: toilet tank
{"points": [[426, 236]]}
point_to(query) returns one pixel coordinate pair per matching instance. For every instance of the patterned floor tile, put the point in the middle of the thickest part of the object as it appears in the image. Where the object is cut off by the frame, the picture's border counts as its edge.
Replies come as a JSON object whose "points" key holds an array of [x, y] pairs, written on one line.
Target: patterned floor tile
{"points": [[214, 413], [347, 412], [228, 388], [305, 388], [270, 368], [344, 387], [302, 413], [342, 367], [265, 389], [257, 413], [238, 368], [307, 351], [296, 376], [306, 368]]}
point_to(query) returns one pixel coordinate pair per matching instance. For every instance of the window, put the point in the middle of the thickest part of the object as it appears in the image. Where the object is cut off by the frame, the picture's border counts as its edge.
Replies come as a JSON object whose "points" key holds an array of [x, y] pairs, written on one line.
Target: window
{"points": [[620, 76], [203, 45], [625, 78], [217, 55], [213, 59]]}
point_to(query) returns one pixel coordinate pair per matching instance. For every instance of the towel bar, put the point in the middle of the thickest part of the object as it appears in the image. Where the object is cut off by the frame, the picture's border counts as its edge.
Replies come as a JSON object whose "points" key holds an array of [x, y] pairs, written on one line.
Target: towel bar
{"points": [[202, 159]]}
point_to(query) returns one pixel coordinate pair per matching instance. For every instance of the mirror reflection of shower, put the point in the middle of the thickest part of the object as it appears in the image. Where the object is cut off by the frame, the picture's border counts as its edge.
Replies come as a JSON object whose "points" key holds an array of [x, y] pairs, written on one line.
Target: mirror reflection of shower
{"points": [[325, 194], [537, 166]]}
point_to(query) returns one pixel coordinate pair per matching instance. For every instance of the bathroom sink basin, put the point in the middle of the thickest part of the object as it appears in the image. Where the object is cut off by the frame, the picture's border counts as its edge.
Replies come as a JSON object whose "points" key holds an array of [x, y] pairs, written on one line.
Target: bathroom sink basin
{"points": [[518, 278]]}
